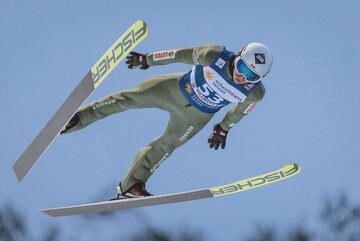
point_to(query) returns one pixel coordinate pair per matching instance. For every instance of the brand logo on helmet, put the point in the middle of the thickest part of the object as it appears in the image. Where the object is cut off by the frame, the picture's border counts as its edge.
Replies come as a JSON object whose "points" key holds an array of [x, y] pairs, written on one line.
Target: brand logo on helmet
{"points": [[259, 58]]}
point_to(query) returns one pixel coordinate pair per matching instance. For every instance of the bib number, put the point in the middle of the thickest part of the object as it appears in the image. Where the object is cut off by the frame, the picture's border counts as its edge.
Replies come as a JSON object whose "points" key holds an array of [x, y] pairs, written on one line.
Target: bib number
{"points": [[210, 94]]}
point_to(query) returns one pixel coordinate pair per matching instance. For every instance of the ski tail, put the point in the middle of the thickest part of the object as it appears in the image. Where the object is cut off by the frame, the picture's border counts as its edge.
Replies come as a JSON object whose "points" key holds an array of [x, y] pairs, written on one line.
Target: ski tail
{"points": [[96, 75]]}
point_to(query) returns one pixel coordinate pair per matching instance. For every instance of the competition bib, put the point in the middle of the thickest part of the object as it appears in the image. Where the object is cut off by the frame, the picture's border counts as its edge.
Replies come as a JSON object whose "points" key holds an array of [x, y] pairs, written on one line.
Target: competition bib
{"points": [[209, 88]]}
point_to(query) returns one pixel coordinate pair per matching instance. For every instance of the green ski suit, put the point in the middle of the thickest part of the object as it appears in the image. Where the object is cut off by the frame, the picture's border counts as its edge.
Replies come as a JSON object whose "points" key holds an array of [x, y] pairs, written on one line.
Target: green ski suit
{"points": [[163, 92]]}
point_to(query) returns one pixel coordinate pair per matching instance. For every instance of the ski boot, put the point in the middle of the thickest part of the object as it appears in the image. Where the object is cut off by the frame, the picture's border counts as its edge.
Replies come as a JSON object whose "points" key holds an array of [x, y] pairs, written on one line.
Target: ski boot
{"points": [[73, 122], [135, 191]]}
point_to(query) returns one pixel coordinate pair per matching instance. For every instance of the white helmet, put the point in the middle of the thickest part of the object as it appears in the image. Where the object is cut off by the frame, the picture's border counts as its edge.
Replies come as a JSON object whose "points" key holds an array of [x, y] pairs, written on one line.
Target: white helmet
{"points": [[257, 58]]}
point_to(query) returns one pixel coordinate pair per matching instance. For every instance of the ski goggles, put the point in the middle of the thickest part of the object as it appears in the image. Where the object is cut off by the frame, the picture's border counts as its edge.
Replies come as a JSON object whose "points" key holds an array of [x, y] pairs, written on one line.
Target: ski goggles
{"points": [[242, 68]]}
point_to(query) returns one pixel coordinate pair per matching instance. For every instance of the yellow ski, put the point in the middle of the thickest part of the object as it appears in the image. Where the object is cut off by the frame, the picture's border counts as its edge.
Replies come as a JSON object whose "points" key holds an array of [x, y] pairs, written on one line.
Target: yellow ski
{"points": [[243, 185], [126, 43]]}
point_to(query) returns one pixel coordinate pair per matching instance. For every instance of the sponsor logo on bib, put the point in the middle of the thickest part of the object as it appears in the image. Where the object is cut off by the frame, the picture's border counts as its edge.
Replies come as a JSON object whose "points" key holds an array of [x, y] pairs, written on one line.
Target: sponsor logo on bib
{"points": [[220, 63]]}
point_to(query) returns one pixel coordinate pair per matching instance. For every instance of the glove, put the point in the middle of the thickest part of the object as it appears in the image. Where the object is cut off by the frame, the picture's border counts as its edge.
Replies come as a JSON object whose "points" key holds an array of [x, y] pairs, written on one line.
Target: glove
{"points": [[135, 60], [218, 137], [73, 122]]}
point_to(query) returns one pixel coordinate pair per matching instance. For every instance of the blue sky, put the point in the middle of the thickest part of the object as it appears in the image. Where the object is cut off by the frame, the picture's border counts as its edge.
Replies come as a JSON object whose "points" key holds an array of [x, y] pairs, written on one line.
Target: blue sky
{"points": [[309, 114]]}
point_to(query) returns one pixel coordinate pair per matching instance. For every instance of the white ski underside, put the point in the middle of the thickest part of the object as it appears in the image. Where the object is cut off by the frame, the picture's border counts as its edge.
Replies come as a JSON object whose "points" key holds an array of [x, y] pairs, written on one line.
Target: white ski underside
{"points": [[108, 206], [48, 134]]}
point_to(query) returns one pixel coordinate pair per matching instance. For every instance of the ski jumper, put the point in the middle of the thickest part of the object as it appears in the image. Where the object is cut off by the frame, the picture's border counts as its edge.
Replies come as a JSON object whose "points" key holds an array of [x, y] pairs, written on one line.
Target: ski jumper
{"points": [[191, 99]]}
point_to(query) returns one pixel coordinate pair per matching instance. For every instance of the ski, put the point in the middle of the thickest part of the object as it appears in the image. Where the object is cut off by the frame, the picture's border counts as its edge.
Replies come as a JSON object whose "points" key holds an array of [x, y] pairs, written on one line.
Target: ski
{"points": [[239, 186], [96, 75]]}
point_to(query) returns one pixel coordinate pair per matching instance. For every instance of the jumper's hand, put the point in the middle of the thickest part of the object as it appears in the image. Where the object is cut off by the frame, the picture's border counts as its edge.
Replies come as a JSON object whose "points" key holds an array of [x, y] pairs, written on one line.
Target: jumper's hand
{"points": [[218, 137], [135, 60]]}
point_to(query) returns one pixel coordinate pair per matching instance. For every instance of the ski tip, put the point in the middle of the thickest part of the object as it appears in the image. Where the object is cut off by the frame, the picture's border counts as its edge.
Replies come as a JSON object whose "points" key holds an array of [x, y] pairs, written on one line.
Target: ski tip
{"points": [[144, 26], [141, 21], [297, 167], [291, 169]]}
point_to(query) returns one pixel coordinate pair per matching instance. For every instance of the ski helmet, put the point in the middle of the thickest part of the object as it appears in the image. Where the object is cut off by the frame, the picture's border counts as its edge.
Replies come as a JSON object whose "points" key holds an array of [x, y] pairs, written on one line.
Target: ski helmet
{"points": [[254, 62]]}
